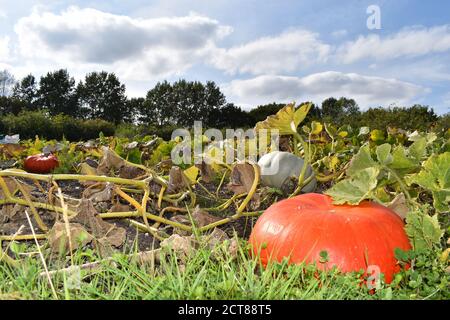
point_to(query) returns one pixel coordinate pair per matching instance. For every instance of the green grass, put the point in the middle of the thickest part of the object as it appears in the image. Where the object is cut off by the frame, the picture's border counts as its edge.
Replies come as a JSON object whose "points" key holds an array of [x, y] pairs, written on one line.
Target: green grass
{"points": [[206, 275]]}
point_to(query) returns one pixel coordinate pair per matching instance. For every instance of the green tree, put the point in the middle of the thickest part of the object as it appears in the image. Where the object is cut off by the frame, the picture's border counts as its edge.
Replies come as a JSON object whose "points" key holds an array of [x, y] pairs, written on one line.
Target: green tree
{"points": [[231, 116], [11, 105], [102, 96], [134, 107], [336, 110], [416, 117], [57, 93], [26, 91], [182, 103]]}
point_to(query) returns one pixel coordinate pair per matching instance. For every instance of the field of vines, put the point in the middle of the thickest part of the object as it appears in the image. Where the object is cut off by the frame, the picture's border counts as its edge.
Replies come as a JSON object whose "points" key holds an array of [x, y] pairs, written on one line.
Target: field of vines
{"points": [[117, 219]]}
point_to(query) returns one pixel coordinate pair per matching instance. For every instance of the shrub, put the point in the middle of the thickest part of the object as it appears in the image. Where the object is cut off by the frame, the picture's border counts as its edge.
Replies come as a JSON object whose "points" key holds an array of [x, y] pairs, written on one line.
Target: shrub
{"points": [[31, 123]]}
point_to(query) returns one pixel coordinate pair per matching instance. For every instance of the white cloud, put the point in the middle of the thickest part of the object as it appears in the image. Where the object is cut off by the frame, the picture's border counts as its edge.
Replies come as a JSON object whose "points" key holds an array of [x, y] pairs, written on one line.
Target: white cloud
{"points": [[409, 42], [4, 49], [367, 91], [287, 52], [154, 47]]}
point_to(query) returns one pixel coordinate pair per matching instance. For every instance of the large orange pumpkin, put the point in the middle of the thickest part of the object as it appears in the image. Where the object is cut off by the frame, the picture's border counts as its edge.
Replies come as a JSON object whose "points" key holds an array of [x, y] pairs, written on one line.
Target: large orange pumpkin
{"points": [[354, 237]]}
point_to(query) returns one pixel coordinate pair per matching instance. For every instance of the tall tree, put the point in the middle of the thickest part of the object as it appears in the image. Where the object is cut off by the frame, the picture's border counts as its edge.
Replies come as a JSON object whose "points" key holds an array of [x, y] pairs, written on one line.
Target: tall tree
{"points": [[103, 96], [7, 81], [231, 116], [159, 107], [134, 107], [335, 110], [182, 103], [57, 93], [26, 91]]}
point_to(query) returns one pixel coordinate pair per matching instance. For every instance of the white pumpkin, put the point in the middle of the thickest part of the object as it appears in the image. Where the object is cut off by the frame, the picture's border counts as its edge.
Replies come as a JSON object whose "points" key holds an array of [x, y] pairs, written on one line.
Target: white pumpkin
{"points": [[279, 166]]}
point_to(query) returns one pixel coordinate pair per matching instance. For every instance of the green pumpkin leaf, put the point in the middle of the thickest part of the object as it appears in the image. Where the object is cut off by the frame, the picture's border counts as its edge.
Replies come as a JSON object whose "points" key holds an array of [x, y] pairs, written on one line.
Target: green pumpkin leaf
{"points": [[418, 149], [435, 177], [355, 189], [362, 160], [286, 120], [423, 230], [401, 160], [384, 154]]}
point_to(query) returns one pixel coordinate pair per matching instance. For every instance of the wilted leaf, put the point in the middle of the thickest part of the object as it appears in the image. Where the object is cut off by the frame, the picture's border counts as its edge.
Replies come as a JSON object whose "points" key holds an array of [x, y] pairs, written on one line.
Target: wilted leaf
{"points": [[87, 216], [10, 184], [110, 161], [435, 177], [177, 180], [52, 148], [200, 218], [285, 120], [182, 245], [206, 171], [116, 237], [242, 177], [106, 193], [59, 239], [9, 211], [119, 207], [130, 172], [399, 206], [356, 188]]}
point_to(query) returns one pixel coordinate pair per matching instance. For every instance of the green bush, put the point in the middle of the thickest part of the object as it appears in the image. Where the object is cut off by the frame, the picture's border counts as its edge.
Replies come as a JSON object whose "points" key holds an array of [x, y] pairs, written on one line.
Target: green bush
{"points": [[31, 123]]}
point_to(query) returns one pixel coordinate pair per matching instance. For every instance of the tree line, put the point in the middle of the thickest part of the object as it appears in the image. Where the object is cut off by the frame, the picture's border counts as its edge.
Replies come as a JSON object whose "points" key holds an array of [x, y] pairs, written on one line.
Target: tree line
{"points": [[101, 96]]}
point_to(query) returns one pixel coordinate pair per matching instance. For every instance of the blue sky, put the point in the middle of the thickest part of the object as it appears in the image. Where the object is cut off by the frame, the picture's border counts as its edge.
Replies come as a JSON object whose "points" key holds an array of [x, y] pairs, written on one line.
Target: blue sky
{"points": [[257, 51]]}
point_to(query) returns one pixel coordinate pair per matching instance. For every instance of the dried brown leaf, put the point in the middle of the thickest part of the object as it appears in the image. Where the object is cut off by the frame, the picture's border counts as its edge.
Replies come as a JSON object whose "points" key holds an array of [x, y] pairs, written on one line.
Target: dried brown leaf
{"points": [[10, 184], [110, 161], [119, 207], [59, 239], [177, 180], [242, 177], [130, 172], [206, 172], [182, 245], [87, 216]]}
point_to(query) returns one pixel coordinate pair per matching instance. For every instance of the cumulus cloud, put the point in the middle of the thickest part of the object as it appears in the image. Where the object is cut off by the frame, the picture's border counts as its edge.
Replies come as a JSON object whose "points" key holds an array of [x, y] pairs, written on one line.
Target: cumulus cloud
{"points": [[409, 42], [287, 52], [158, 46], [367, 91]]}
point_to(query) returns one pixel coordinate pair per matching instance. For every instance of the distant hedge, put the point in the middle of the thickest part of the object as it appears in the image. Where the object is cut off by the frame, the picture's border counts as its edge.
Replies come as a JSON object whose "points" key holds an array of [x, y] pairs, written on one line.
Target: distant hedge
{"points": [[31, 123]]}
